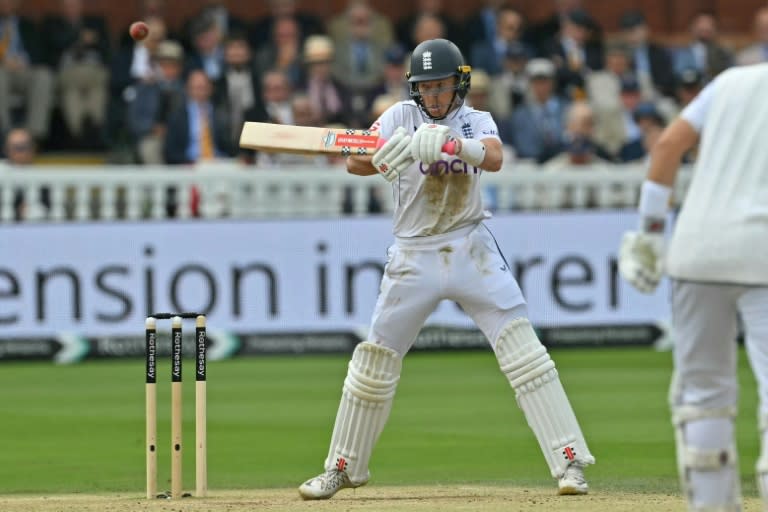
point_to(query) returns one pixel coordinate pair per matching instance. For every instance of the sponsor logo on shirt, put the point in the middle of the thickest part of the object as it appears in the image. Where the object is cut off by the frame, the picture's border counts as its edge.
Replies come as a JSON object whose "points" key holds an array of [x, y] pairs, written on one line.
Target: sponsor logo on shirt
{"points": [[448, 167]]}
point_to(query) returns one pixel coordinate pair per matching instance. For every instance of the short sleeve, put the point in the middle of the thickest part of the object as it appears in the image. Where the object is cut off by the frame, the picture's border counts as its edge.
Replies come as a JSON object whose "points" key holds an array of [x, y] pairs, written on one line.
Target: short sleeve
{"points": [[696, 111], [485, 127]]}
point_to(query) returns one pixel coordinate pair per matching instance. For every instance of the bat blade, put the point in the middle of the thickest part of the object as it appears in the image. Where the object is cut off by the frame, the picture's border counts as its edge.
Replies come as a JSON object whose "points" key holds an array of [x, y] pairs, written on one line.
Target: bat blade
{"points": [[307, 140]]}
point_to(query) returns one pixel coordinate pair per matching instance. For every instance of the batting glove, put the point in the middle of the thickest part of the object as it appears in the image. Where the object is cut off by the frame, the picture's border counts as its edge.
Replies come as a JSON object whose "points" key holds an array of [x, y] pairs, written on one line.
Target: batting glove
{"points": [[394, 156], [428, 142], [641, 259]]}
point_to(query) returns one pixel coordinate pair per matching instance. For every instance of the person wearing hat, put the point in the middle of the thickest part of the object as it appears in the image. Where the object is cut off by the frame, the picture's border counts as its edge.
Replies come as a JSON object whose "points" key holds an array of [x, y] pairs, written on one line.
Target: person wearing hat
{"points": [[651, 123], [689, 83], [651, 63], [536, 127], [147, 115], [573, 54], [439, 210], [479, 94], [323, 89]]}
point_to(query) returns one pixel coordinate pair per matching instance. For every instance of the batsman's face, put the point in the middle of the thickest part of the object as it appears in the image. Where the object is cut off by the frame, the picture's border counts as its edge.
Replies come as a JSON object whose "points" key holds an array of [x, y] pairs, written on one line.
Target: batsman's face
{"points": [[437, 95]]}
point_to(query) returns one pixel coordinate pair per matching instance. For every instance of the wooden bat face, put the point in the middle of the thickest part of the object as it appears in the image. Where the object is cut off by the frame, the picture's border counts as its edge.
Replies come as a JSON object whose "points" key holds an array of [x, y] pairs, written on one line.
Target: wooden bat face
{"points": [[310, 140], [280, 138]]}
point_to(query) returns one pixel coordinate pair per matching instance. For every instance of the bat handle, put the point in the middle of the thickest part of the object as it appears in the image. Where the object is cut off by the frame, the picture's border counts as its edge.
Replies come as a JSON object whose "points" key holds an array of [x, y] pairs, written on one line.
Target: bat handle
{"points": [[449, 147]]}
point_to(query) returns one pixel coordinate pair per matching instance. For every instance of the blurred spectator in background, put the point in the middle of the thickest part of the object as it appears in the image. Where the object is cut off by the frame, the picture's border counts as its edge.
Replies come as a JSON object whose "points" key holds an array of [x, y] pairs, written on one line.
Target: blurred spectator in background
{"points": [[226, 22], [395, 64], [284, 50], [131, 66], [580, 150], [490, 55], [689, 84], [207, 50], [616, 129], [261, 33], [580, 146], [239, 86], [303, 113], [478, 96], [540, 35], [648, 118], [197, 130], [26, 84], [757, 52], [480, 27], [426, 27], [650, 62], [651, 135], [380, 104], [77, 47], [346, 26], [604, 86], [704, 53], [20, 152], [536, 127], [404, 29], [276, 92], [155, 99], [325, 92], [359, 59], [572, 55], [508, 88]]}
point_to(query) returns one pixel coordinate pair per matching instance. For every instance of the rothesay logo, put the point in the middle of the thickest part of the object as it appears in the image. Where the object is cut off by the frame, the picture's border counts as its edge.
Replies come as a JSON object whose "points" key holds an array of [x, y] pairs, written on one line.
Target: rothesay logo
{"points": [[426, 60]]}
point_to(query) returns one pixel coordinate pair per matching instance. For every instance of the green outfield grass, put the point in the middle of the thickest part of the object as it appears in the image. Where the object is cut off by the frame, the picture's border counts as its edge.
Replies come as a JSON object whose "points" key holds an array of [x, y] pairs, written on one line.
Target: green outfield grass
{"points": [[81, 428]]}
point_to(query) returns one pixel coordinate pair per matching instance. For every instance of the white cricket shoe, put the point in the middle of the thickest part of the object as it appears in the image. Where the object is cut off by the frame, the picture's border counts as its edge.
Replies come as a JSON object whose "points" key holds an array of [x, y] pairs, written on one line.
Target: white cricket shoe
{"points": [[325, 485], [573, 481]]}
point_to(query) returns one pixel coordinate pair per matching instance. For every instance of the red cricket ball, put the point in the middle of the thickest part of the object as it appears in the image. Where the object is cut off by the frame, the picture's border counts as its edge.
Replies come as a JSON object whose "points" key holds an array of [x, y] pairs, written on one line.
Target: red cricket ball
{"points": [[139, 30]]}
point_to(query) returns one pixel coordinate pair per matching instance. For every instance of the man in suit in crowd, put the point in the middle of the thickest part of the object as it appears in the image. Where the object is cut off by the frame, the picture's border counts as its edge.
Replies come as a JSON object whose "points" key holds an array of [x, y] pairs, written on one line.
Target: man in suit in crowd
{"points": [[651, 63]]}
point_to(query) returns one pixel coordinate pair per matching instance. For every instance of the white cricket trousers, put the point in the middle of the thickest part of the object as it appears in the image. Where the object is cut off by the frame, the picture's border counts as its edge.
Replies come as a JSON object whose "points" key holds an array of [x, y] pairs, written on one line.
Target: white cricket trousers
{"points": [[705, 320], [464, 266]]}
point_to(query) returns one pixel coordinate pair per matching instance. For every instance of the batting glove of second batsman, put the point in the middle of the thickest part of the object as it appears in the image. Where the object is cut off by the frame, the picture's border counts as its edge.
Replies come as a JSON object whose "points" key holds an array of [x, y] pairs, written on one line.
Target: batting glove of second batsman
{"points": [[428, 142], [394, 156], [641, 259]]}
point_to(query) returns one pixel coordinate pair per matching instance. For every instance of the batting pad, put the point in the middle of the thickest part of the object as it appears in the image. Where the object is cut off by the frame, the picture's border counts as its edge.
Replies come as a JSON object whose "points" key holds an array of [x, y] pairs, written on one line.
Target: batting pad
{"points": [[540, 395], [365, 404]]}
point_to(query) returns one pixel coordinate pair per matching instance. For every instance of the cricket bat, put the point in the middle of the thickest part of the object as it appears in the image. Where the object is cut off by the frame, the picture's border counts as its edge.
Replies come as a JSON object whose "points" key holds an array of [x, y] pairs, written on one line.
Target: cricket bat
{"points": [[309, 140]]}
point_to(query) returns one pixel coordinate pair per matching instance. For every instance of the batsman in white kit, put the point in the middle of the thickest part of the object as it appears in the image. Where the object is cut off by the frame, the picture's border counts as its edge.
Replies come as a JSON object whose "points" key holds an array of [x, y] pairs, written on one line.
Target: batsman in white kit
{"points": [[718, 262], [443, 251]]}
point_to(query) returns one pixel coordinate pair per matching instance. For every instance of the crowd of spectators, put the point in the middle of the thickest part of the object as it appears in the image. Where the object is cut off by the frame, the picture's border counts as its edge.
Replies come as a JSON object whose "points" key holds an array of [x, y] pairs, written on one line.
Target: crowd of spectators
{"points": [[562, 92]]}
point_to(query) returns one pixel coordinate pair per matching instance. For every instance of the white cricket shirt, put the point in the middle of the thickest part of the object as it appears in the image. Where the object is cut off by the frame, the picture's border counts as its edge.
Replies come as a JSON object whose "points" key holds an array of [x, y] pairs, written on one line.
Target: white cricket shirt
{"points": [[721, 234], [444, 196]]}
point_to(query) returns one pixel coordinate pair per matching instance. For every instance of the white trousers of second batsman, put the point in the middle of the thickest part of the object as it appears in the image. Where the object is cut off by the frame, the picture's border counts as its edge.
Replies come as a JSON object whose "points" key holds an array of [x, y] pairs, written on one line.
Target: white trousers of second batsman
{"points": [[704, 390]]}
